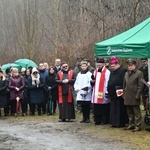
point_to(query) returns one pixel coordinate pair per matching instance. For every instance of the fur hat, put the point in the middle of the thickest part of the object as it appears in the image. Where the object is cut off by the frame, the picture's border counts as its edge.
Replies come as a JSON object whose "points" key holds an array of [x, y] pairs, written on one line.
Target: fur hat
{"points": [[34, 70], [100, 60], [114, 60]]}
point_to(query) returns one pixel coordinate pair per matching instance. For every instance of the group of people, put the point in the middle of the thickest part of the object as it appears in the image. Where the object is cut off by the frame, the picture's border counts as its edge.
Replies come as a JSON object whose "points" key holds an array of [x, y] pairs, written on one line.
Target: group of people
{"points": [[112, 92]]}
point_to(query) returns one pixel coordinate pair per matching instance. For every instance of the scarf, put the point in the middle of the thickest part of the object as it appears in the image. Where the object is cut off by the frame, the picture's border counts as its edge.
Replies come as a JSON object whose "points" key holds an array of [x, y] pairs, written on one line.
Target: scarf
{"points": [[35, 80]]}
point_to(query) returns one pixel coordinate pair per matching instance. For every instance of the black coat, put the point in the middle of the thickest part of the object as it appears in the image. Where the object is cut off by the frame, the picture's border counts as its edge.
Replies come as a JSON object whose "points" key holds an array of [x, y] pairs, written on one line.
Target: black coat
{"points": [[3, 94], [116, 79], [26, 91], [56, 70], [51, 82], [36, 94]]}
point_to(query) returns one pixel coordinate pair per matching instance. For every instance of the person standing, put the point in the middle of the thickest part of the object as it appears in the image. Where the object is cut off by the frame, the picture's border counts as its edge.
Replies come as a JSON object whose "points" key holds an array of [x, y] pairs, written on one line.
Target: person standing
{"points": [[83, 88], [90, 68], [35, 87], [77, 68], [65, 79], [144, 69], [26, 92], [132, 92], [100, 94], [46, 65], [16, 86], [118, 112], [43, 74], [3, 93], [57, 65], [51, 85]]}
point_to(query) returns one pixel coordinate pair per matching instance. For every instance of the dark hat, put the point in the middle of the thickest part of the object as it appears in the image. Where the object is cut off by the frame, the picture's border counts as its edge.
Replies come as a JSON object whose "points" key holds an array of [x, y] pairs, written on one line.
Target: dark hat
{"points": [[100, 60], [87, 60], [106, 60], [131, 61], [80, 58], [144, 59], [114, 60]]}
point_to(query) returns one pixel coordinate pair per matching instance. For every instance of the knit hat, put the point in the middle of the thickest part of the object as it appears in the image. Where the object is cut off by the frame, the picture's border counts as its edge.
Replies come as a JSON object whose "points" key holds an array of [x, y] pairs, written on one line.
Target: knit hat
{"points": [[23, 69], [114, 60], [100, 60]]}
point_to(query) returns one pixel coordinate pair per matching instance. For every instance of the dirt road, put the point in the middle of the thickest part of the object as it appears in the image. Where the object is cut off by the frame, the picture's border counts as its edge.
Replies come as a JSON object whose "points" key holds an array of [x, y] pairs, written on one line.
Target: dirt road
{"points": [[46, 134]]}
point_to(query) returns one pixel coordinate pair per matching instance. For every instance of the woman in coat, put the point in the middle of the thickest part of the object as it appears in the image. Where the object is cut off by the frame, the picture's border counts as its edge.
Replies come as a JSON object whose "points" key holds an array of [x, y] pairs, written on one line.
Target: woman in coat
{"points": [[16, 86], [51, 86], [26, 92], [83, 88], [3, 94], [36, 91]]}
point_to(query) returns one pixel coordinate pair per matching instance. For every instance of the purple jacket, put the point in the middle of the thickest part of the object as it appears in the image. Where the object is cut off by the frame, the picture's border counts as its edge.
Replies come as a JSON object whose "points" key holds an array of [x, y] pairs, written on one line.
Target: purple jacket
{"points": [[18, 82]]}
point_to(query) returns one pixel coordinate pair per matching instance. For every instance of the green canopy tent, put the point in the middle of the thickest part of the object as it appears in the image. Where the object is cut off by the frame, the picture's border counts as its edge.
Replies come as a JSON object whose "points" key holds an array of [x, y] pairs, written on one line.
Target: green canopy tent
{"points": [[134, 43]]}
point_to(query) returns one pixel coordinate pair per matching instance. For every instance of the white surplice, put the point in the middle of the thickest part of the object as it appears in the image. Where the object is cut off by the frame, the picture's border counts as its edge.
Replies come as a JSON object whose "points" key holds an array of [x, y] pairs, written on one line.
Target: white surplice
{"points": [[82, 81]]}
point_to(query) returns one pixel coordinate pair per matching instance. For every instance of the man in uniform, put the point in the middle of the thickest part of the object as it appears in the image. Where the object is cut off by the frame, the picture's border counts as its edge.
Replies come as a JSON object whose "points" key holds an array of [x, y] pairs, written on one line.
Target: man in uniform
{"points": [[133, 87]]}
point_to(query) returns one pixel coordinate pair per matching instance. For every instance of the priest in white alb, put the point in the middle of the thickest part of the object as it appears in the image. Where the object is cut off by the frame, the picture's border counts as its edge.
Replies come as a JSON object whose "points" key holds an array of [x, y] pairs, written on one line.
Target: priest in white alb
{"points": [[100, 98]]}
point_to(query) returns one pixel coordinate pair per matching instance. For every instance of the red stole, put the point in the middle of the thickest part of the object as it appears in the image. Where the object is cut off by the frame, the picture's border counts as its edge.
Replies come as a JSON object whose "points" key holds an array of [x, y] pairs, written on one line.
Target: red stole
{"points": [[60, 99], [101, 87]]}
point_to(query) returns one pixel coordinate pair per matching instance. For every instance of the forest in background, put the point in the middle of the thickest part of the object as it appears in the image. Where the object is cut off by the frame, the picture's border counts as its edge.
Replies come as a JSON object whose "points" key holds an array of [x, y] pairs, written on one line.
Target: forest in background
{"points": [[43, 30]]}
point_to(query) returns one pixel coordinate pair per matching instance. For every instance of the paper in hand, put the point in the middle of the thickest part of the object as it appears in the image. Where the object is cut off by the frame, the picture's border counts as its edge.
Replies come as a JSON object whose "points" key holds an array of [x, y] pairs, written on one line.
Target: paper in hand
{"points": [[119, 91]]}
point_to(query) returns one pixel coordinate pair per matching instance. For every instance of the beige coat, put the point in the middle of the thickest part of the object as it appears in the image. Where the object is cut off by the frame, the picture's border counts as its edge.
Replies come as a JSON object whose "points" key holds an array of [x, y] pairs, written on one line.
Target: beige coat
{"points": [[133, 87]]}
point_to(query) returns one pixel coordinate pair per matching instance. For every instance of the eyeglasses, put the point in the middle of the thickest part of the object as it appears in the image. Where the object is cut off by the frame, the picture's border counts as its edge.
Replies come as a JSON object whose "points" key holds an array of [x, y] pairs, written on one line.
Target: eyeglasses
{"points": [[64, 66]]}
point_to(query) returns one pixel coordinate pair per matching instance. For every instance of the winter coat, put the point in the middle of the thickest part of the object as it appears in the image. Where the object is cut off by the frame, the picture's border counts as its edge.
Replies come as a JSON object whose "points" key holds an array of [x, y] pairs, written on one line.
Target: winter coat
{"points": [[18, 82], [132, 87], [51, 82], [116, 79], [36, 93], [26, 91], [3, 94], [43, 74]]}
